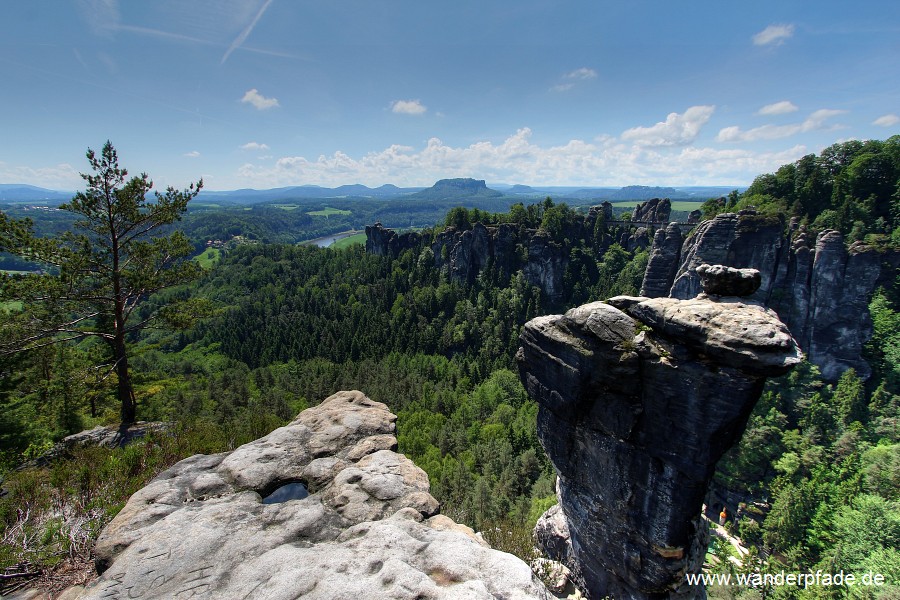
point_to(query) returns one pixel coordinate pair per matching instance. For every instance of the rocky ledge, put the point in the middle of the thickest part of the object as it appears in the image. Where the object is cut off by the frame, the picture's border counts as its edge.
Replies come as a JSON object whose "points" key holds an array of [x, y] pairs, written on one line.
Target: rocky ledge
{"points": [[639, 398], [321, 508]]}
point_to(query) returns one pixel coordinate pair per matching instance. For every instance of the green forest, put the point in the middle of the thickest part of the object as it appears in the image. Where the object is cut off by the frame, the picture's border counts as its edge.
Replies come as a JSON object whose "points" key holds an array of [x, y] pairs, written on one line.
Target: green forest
{"points": [[233, 348]]}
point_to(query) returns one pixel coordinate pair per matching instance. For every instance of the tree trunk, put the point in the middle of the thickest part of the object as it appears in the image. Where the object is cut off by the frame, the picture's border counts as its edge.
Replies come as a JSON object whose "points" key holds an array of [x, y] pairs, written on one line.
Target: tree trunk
{"points": [[124, 390]]}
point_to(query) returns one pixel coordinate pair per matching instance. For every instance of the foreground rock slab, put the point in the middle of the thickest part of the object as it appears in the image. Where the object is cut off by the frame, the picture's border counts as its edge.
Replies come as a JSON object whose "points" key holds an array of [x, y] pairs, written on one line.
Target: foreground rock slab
{"points": [[368, 527], [639, 398]]}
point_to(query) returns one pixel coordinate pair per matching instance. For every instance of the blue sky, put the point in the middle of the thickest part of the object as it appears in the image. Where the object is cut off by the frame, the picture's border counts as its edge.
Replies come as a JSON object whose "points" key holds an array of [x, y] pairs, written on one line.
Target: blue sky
{"points": [[270, 93]]}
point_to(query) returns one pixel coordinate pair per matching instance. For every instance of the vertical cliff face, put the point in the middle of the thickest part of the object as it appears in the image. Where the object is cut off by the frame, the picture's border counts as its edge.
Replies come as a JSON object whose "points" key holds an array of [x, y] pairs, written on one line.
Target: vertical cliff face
{"points": [[653, 211], [839, 323], [819, 288], [638, 400], [663, 263], [736, 240], [381, 241]]}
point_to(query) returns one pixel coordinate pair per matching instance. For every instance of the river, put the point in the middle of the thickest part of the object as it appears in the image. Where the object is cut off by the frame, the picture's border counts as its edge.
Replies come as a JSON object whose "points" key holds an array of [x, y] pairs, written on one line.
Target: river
{"points": [[328, 240]]}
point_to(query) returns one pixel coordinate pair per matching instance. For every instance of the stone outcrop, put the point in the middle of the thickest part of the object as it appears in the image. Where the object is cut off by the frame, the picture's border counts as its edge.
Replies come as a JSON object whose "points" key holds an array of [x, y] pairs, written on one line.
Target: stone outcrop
{"points": [[663, 262], [719, 280], [639, 398], [381, 241], [321, 508], [654, 211], [818, 287], [838, 321], [735, 240], [546, 264]]}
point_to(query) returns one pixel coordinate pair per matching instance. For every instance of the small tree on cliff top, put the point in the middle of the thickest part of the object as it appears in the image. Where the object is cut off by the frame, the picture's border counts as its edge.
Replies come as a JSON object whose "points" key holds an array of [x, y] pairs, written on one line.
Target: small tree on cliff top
{"points": [[100, 273]]}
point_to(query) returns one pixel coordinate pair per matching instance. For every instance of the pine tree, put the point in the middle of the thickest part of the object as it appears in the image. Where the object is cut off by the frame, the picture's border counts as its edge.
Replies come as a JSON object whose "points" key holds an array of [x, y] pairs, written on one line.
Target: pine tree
{"points": [[99, 274]]}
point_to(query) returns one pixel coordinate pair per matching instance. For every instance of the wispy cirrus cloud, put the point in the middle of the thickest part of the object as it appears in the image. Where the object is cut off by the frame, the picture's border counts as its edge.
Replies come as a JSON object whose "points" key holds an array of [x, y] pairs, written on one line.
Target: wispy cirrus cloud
{"points": [[778, 108], [570, 79], [886, 120], [259, 101], [773, 34], [254, 146], [582, 73], [101, 16], [243, 35], [676, 130], [815, 121], [408, 107], [191, 154]]}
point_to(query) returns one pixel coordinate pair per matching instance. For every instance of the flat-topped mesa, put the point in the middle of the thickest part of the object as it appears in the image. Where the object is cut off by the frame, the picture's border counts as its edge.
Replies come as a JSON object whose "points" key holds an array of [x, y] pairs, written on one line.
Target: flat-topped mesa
{"points": [[639, 398], [321, 508]]}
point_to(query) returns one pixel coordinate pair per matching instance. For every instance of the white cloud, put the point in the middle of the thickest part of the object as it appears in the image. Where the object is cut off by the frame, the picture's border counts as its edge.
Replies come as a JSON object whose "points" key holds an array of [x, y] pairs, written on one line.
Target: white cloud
{"points": [[778, 108], [886, 120], [408, 107], [606, 161], [773, 34], [191, 154], [676, 130], [60, 177], [258, 100], [582, 73], [562, 87], [255, 146], [815, 121]]}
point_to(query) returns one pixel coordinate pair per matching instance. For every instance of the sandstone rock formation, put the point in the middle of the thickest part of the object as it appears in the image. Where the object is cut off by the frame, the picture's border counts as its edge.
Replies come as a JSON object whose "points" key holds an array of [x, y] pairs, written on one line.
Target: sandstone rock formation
{"points": [[655, 210], [819, 288], [720, 280], [638, 400], [368, 528], [663, 262], [387, 242]]}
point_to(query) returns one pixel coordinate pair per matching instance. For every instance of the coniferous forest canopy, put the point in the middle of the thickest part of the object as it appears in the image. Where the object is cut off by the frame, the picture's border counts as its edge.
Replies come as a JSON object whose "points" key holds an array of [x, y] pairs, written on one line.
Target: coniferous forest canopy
{"points": [[287, 325]]}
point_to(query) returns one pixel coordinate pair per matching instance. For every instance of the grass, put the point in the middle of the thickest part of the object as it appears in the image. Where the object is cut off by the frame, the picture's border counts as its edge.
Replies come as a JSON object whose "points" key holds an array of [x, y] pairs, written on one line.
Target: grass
{"points": [[11, 306], [358, 238], [685, 205], [208, 257], [327, 212], [51, 516]]}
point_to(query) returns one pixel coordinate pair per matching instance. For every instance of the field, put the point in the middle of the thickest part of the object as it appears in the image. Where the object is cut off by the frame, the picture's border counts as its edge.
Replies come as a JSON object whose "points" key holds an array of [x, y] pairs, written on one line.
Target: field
{"points": [[208, 257], [327, 212], [359, 238]]}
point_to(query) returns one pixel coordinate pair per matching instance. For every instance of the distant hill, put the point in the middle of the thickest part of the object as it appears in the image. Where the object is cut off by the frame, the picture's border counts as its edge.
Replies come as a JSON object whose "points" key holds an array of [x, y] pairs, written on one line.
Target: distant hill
{"points": [[456, 189], [21, 192], [522, 189], [250, 196]]}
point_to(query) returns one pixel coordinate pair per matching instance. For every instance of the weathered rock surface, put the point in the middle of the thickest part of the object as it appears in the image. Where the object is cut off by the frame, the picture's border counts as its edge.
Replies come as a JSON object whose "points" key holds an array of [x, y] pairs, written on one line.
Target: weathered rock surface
{"points": [[655, 210], [663, 262], [720, 280], [819, 288], [634, 423], [368, 528], [465, 254], [381, 241]]}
